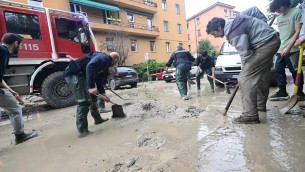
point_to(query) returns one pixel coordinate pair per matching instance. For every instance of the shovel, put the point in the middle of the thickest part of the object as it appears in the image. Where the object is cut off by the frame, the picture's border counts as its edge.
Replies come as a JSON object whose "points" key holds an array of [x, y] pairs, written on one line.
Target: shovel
{"points": [[117, 111], [294, 99], [225, 85]]}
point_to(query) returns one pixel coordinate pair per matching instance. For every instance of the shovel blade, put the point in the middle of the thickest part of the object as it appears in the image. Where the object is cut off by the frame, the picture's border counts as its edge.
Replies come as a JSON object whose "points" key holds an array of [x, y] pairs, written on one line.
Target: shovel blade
{"points": [[117, 111], [289, 105]]}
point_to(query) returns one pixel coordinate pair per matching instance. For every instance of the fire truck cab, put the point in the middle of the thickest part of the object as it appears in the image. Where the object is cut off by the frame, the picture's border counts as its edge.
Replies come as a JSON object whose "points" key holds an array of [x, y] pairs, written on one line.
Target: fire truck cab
{"points": [[49, 38]]}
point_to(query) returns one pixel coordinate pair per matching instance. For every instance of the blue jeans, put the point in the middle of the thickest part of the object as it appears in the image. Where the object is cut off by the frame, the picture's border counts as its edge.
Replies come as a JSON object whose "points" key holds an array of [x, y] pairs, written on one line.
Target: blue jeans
{"points": [[291, 61], [100, 103], [9, 103]]}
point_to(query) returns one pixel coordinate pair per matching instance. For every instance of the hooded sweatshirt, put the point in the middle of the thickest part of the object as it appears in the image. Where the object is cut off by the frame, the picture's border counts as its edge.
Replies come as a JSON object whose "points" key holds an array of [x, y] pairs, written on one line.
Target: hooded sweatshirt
{"points": [[247, 33]]}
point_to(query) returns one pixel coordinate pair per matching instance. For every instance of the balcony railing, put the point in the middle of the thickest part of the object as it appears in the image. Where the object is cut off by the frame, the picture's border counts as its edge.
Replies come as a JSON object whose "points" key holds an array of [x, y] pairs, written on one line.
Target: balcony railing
{"points": [[146, 2], [118, 22]]}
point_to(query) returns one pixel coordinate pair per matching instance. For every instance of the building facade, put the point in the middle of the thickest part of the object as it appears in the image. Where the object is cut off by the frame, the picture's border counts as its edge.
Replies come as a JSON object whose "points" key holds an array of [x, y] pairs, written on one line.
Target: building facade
{"points": [[196, 25], [131, 27]]}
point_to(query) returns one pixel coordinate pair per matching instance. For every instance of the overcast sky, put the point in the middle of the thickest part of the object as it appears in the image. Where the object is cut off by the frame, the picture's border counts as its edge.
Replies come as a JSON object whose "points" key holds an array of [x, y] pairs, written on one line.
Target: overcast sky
{"points": [[195, 6]]}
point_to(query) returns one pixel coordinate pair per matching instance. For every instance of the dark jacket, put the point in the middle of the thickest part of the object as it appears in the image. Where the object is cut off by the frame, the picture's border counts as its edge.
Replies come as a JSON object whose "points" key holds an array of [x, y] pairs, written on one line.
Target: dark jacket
{"points": [[207, 63], [180, 57], [4, 59], [94, 67]]}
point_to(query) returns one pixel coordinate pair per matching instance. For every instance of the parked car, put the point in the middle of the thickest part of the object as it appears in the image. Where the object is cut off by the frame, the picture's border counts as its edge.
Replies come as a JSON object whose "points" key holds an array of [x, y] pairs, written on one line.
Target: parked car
{"points": [[228, 65], [158, 75], [124, 76], [170, 75]]}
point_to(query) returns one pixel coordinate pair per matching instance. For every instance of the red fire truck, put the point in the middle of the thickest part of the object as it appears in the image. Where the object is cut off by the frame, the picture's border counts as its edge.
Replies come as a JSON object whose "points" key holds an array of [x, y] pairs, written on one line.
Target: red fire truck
{"points": [[49, 37]]}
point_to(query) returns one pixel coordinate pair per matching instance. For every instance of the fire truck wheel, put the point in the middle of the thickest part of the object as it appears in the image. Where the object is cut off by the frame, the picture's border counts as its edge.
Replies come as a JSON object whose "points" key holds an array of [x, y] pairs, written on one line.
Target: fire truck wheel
{"points": [[56, 91]]}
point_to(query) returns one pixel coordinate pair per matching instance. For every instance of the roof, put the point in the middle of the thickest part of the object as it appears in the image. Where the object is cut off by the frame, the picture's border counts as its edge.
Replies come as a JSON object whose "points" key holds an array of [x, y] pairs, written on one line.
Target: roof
{"points": [[210, 7]]}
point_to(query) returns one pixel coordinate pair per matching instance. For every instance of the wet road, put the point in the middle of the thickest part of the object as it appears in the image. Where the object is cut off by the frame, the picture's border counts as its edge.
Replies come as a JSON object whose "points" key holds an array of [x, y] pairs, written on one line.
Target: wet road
{"points": [[274, 145], [162, 133]]}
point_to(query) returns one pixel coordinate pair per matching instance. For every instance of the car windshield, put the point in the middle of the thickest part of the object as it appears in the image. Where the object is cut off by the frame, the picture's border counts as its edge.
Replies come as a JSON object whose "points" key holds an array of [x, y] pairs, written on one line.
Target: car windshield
{"points": [[124, 69], [228, 49]]}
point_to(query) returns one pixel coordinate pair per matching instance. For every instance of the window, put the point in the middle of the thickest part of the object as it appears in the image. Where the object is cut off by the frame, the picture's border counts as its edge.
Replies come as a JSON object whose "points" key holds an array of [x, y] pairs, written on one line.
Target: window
{"points": [[168, 47], [190, 48], [179, 28], [198, 32], [106, 15], [225, 11], [197, 20], [147, 2], [230, 13], [25, 25], [234, 13], [188, 37], [35, 2], [187, 25], [71, 30], [163, 4], [109, 44], [152, 46], [177, 9], [149, 23], [130, 20], [133, 45], [165, 26], [75, 8]]}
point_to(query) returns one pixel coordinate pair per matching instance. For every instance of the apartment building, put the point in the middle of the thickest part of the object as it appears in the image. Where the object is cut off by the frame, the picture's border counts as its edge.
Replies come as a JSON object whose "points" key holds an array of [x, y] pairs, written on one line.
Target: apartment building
{"points": [[196, 25], [133, 27]]}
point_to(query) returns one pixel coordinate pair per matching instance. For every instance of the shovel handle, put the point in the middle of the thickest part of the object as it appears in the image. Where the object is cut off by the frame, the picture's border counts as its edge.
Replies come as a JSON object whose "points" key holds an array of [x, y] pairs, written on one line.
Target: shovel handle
{"points": [[101, 96], [216, 79], [112, 103], [116, 94], [231, 99]]}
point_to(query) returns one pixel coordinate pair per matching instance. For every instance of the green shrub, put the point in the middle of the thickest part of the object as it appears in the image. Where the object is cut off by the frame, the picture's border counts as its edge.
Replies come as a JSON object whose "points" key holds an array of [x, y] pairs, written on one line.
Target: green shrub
{"points": [[141, 68]]}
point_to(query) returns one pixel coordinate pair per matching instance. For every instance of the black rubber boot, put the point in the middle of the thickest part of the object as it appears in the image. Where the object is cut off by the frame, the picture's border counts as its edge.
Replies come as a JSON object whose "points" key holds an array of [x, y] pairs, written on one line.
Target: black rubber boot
{"points": [[19, 138]]}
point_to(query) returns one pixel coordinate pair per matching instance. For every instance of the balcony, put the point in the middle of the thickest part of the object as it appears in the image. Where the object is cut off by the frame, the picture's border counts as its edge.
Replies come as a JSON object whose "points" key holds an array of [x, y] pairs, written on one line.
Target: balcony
{"points": [[99, 23], [140, 5]]}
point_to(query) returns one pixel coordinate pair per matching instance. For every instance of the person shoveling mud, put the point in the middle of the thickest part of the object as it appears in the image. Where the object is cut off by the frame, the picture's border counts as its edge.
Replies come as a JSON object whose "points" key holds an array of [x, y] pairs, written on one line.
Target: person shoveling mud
{"points": [[205, 65], [93, 68], [256, 54]]}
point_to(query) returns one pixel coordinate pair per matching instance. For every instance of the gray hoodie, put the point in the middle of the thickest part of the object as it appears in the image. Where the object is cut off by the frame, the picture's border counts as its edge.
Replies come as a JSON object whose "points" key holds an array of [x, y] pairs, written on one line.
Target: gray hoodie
{"points": [[247, 33]]}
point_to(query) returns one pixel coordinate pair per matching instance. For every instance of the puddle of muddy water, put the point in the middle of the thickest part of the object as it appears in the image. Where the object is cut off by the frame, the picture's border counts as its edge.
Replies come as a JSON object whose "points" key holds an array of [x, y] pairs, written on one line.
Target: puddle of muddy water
{"points": [[222, 150]]}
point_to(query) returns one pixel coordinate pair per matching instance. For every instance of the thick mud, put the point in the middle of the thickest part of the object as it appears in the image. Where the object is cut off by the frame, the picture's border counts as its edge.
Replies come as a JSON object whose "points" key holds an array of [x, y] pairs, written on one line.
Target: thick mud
{"points": [[160, 133]]}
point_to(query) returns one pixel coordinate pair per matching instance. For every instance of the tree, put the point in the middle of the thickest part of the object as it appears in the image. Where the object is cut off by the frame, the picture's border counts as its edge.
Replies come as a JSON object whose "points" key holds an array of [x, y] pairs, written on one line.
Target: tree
{"points": [[118, 42], [206, 45]]}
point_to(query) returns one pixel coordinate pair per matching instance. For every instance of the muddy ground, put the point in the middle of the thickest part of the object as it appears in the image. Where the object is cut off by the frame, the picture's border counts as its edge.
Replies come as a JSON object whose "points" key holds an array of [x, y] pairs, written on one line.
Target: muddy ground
{"points": [[161, 133]]}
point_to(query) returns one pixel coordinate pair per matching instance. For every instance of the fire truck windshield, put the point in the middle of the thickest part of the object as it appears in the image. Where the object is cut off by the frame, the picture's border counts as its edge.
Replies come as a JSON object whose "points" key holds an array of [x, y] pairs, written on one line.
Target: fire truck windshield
{"points": [[72, 30], [26, 25]]}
